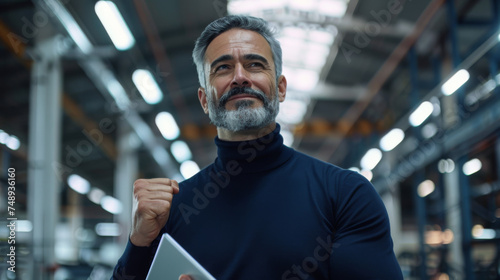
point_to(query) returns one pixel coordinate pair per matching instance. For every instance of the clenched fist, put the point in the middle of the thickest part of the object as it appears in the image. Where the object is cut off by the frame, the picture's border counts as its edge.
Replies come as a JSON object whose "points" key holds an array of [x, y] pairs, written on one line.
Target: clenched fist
{"points": [[152, 202]]}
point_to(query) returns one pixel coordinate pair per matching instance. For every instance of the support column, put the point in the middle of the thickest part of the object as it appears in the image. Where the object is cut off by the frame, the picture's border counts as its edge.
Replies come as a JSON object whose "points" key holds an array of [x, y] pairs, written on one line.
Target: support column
{"points": [[392, 203], [127, 167], [43, 150], [454, 222], [466, 220], [420, 206]]}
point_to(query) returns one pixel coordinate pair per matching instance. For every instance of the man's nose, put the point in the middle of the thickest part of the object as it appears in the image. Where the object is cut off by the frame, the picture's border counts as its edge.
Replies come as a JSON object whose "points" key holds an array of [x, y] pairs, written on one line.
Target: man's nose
{"points": [[241, 77]]}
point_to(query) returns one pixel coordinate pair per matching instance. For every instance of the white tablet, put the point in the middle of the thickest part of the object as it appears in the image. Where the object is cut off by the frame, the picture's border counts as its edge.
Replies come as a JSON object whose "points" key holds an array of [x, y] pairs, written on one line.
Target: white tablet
{"points": [[171, 260]]}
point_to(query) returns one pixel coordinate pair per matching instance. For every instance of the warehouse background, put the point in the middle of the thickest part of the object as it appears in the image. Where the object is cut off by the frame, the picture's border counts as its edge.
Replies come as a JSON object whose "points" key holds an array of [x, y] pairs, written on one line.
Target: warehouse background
{"points": [[406, 92]]}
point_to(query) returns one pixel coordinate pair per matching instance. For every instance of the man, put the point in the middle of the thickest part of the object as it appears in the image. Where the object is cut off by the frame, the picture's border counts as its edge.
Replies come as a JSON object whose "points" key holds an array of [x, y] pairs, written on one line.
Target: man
{"points": [[261, 210]]}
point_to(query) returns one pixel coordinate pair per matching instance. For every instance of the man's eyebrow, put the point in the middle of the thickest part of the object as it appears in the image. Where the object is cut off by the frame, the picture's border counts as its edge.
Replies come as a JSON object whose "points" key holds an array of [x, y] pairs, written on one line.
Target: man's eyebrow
{"points": [[225, 57], [256, 57]]}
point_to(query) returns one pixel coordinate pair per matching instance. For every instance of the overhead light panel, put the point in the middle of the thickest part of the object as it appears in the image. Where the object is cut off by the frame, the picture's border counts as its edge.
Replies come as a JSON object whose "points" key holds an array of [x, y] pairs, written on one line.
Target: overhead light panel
{"points": [[371, 159], [4, 136], [426, 188], [111, 204], [78, 184], [147, 86], [189, 168], [472, 166], [455, 82], [446, 166], [181, 151], [72, 27], [13, 143], [392, 139], [114, 24], [479, 232], [95, 195], [108, 229], [421, 113], [167, 125]]}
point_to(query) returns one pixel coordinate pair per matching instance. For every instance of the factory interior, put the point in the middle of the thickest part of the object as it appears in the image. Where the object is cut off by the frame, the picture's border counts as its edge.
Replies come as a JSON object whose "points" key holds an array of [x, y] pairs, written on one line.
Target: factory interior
{"points": [[95, 94]]}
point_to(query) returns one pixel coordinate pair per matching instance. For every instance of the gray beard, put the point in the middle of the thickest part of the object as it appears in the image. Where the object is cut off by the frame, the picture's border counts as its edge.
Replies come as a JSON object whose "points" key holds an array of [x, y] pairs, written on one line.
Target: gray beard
{"points": [[244, 117]]}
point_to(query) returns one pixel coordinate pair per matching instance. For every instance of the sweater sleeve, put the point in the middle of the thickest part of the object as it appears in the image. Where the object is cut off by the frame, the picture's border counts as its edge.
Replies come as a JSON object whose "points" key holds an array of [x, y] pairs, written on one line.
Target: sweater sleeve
{"points": [[135, 262], [362, 245]]}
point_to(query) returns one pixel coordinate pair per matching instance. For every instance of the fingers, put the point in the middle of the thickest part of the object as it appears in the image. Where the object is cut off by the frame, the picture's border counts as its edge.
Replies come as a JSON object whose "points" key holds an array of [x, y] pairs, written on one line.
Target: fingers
{"points": [[184, 277], [156, 184]]}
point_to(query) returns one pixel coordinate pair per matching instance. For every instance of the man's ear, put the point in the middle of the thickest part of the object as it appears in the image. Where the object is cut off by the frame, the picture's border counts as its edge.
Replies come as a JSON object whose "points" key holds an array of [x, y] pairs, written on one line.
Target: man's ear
{"points": [[281, 88], [202, 96]]}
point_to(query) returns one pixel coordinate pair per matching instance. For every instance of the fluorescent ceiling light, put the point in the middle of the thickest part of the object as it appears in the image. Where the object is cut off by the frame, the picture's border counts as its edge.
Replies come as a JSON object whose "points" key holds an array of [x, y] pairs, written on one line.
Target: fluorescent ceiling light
{"points": [[446, 166], [181, 151], [167, 125], [95, 195], [392, 139], [4, 136], [78, 184], [371, 159], [425, 188], [13, 143], [108, 229], [147, 86], [189, 168], [472, 166], [421, 113], [72, 27], [455, 82], [111, 204], [114, 24], [479, 232]]}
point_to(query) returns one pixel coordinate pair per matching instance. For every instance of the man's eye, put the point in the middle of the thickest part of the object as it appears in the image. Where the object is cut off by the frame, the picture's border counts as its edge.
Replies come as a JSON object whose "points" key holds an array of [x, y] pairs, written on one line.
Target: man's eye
{"points": [[221, 67], [256, 64]]}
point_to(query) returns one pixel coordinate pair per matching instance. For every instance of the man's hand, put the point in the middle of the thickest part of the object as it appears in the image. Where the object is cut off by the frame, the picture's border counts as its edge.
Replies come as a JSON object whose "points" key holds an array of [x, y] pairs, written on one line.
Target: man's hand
{"points": [[152, 202], [184, 277]]}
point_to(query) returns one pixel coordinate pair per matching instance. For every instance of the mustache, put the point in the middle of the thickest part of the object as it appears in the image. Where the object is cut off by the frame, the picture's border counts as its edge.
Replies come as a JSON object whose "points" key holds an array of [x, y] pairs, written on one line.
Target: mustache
{"points": [[241, 90]]}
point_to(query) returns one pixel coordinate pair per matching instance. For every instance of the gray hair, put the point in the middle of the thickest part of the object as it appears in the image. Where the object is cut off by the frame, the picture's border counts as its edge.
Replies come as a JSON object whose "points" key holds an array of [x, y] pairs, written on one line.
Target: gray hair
{"points": [[226, 23]]}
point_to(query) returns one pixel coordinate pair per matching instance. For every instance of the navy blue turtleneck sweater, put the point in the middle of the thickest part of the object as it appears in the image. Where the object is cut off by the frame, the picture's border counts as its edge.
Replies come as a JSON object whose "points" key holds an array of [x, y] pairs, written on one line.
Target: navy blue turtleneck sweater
{"points": [[265, 211]]}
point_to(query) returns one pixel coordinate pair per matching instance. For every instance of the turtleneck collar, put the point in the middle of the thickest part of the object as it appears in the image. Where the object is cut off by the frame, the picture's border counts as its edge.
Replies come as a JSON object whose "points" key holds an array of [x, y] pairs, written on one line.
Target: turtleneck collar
{"points": [[257, 155]]}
